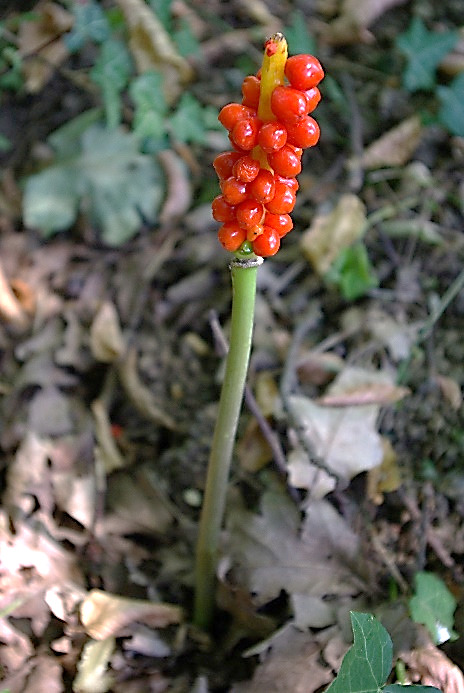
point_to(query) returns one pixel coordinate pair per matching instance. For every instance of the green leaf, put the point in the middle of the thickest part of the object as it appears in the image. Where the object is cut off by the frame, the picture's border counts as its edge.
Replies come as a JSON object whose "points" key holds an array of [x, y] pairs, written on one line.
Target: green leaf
{"points": [[111, 72], [368, 662], [398, 688], [108, 178], [162, 9], [186, 41], [5, 143], [434, 606], [451, 113], [90, 24], [424, 51], [297, 34], [187, 123], [352, 272], [150, 106]]}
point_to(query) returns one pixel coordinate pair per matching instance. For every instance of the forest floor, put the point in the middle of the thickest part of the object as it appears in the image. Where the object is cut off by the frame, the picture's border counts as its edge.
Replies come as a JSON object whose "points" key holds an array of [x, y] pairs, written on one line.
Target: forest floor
{"points": [[111, 365]]}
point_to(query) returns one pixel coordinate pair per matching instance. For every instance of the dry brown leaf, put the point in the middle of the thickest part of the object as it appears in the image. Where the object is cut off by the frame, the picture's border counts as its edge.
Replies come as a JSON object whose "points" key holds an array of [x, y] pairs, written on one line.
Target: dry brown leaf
{"points": [[395, 147], [106, 338], [319, 368], [453, 63], [153, 48], [11, 310], [141, 396], [45, 677], [92, 668], [293, 663], [385, 478], [431, 667], [106, 450], [42, 38], [179, 188], [330, 233], [356, 16], [104, 615], [253, 449], [358, 396], [451, 391]]}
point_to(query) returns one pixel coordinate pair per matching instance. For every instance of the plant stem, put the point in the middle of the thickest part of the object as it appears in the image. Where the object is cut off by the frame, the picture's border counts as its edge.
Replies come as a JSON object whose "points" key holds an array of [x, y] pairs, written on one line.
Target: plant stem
{"points": [[243, 303]]}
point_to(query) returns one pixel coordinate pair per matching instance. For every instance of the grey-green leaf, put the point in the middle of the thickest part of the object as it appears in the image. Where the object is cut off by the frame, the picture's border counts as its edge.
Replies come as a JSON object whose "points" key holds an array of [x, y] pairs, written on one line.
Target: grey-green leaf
{"points": [[434, 606]]}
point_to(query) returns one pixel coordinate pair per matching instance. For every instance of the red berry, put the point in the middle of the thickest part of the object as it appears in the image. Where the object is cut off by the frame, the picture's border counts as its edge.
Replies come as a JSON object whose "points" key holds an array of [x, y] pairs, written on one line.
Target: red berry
{"points": [[251, 90], [267, 243], [288, 104], [263, 186], [245, 133], [222, 210], [231, 236], [303, 71], [234, 191], [246, 169], [224, 163], [291, 183], [282, 223], [285, 162], [272, 136], [313, 96], [233, 113], [249, 213], [304, 133], [254, 232], [283, 201]]}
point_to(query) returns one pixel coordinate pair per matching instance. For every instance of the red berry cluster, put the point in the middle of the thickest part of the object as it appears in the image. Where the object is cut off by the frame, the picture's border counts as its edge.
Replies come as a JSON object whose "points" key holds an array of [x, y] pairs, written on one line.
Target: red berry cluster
{"points": [[257, 179]]}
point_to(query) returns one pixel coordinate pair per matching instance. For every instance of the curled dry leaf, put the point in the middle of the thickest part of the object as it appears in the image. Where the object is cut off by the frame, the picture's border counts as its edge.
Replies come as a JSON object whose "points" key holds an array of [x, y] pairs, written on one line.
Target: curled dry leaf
{"points": [[92, 668], [432, 667], [330, 233], [356, 16], [395, 147], [41, 37], [106, 339], [153, 48], [140, 396], [106, 449], [179, 189], [371, 393], [11, 310], [104, 615]]}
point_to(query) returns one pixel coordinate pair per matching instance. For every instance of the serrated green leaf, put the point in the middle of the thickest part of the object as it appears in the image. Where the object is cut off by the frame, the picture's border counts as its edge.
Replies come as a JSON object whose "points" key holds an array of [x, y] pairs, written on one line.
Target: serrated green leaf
{"points": [[187, 122], [434, 606], [116, 185], [367, 664], [424, 51], [398, 688], [111, 72], [297, 34], [451, 113], [90, 24]]}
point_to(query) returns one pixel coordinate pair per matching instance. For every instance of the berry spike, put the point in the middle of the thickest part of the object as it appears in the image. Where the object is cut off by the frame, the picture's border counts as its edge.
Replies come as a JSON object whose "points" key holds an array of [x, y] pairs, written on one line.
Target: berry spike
{"points": [[269, 130]]}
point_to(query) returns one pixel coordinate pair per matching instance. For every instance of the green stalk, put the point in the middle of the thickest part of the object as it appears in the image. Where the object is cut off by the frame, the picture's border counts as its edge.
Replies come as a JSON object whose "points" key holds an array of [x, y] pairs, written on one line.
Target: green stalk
{"points": [[243, 306]]}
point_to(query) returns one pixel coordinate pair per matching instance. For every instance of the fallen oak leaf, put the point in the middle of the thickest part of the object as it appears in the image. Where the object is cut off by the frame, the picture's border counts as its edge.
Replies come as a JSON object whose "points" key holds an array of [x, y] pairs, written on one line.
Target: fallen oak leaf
{"points": [[104, 615], [395, 147]]}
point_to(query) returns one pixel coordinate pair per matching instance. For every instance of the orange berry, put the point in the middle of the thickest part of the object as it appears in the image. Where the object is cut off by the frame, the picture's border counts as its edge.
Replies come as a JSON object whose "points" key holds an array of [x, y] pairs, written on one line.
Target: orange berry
{"points": [[304, 133], [303, 71], [285, 162], [231, 114], [262, 187], [234, 191], [282, 223], [288, 104], [283, 201], [231, 236], [251, 90], [272, 136], [222, 210], [224, 163], [249, 213], [245, 132], [246, 169], [267, 243]]}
